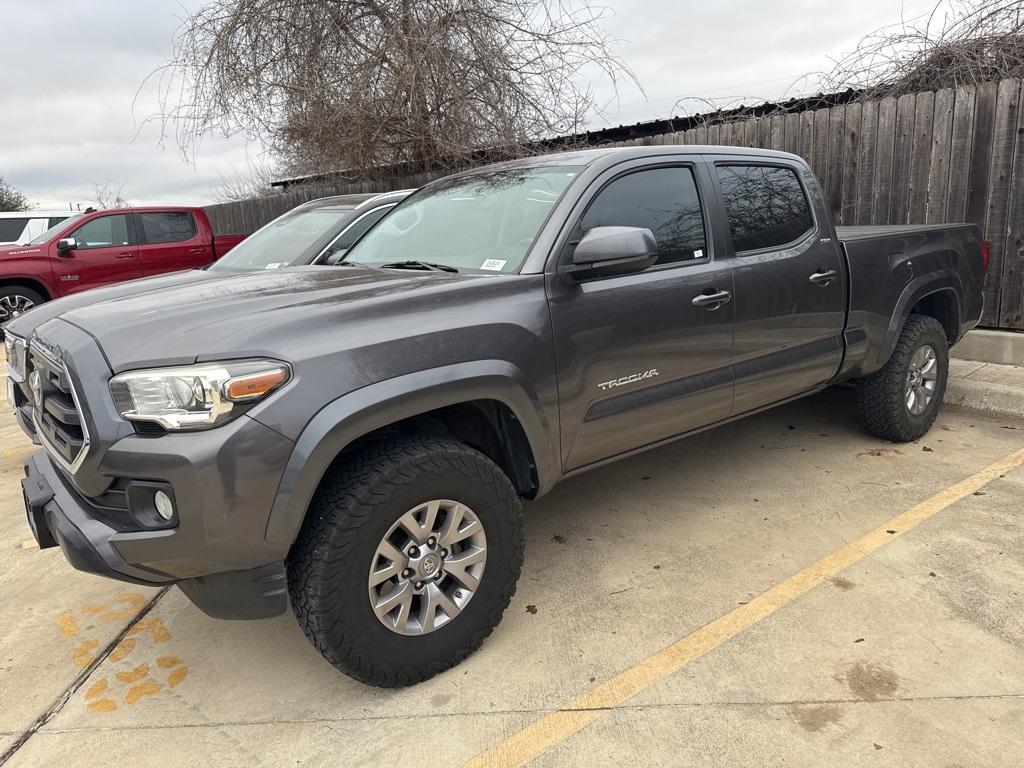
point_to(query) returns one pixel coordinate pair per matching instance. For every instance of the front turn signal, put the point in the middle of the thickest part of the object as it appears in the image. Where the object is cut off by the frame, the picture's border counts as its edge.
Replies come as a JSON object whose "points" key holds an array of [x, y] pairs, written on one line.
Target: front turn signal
{"points": [[255, 385]]}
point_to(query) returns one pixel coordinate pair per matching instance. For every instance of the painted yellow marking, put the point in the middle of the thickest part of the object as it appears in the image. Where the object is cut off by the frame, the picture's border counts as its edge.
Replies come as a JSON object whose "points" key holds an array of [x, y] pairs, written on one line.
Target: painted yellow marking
{"points": [[133, 675], [177, 676], [83, 653], [96, 689], [30, 544], [135, 603], [136, 692], [168, 661], [103, 705], [592, 704], [126, 646], [68, 625], [157, 631]]}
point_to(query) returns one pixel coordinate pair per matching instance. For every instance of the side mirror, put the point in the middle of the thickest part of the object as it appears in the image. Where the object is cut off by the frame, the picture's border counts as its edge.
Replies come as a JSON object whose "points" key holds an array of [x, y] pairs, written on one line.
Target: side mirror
{"points": [[66, 244], [605, 251]]}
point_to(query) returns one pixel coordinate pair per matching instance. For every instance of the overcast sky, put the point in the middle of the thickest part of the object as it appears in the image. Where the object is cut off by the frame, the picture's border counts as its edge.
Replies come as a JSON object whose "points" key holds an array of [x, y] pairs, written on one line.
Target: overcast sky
{"points": [[72, 70]]}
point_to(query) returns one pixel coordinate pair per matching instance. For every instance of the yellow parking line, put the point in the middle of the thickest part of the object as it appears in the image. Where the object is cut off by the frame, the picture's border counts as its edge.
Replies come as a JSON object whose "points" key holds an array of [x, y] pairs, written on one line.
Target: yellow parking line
{"points": [[588, 707]]}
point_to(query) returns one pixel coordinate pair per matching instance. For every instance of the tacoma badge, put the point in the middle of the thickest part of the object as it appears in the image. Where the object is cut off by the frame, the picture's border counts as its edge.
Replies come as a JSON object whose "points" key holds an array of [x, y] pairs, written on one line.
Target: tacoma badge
{"points": [[628, 379]]}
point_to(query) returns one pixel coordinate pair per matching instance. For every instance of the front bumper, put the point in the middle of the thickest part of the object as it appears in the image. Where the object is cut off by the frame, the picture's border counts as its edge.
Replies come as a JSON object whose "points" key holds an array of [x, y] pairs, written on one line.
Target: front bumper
{"points": [[94, 504], [57, 517]]}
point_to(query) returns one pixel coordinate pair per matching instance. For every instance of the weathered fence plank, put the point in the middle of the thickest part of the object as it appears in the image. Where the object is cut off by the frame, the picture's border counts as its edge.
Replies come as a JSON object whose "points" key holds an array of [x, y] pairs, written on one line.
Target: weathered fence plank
{"points": [[981, 152], [938, 161], [884, 161], [1003, 143], [834, 188], [866, 161], [899, 205], [851, 164], [920, 153], [1008, 278], [960, 155]]}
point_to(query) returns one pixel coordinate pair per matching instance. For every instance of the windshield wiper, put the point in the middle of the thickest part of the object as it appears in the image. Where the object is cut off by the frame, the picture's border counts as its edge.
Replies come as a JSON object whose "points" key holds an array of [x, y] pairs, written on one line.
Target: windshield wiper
{"points": [[424, 265]]}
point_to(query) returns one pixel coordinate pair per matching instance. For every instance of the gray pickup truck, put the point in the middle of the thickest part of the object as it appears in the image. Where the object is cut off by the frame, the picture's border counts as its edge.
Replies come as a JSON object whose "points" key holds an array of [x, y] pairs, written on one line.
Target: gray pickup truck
{"points": [[358, 438]]}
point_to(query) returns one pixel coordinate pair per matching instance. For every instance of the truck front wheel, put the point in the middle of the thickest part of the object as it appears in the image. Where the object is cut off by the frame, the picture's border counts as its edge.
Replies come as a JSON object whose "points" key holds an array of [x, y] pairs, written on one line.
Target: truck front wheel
{"points": [[16, 300], [900, 401], [409, 555]]}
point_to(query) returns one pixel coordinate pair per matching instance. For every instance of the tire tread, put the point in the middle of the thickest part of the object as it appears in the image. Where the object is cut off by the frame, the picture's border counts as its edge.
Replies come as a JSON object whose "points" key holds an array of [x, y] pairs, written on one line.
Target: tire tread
{"points": [[356, 489]]}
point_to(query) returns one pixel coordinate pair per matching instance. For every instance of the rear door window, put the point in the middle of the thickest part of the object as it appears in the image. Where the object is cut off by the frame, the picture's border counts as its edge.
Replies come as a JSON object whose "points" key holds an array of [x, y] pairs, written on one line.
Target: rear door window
{"points": [[663, 200], [167, 227], [766, 206]]}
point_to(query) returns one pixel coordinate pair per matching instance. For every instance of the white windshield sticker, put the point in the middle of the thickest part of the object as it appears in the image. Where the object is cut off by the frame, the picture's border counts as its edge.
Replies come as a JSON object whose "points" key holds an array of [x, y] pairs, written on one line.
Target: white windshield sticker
{"points": [[274, 265], [698, 254], [494, 265]]}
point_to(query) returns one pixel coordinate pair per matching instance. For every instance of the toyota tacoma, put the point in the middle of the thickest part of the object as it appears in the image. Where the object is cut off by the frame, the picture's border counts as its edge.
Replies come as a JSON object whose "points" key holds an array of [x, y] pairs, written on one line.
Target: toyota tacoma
{"points": [[356, 440]]}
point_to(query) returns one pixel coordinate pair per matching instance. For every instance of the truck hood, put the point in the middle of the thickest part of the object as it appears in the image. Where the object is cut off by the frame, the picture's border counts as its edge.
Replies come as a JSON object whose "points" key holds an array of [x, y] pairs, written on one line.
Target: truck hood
{"points": [[178, 319]]}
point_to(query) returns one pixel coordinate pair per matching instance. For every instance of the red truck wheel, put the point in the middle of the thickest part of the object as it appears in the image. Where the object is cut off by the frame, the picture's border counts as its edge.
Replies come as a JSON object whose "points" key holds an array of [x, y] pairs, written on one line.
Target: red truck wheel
{"points": [[16, 300]]}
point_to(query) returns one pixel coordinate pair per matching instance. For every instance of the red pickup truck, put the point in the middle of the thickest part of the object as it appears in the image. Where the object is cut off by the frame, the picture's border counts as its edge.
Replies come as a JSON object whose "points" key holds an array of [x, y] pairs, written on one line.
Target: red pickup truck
{"points": [[97, 248]]}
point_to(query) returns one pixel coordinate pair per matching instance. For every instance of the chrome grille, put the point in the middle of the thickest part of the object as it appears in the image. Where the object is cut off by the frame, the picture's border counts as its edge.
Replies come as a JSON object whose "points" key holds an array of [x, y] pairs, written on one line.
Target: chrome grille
{"points": [[57, 415]]}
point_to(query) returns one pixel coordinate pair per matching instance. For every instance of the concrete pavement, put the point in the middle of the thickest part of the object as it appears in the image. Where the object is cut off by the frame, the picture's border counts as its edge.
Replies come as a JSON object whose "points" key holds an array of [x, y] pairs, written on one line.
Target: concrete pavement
{"points": [[912, 656]]}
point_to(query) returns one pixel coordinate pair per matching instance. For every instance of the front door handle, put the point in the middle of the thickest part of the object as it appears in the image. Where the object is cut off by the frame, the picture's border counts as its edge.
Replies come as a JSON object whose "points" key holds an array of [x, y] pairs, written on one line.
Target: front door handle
{"points": [[196, 250], [824, 277], [128, 255], [713, 300]]}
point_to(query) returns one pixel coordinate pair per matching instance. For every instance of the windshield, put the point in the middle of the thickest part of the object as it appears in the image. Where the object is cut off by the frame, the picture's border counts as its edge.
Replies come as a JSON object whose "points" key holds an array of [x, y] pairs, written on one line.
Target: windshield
{"points": [[285, 240], [486, 221], [55, 229]]}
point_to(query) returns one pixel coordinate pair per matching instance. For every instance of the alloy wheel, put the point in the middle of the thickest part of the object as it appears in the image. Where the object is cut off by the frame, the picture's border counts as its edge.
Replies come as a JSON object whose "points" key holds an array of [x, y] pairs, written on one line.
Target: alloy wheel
{"points": [[427, 567], [13, 305], [922, 376]]}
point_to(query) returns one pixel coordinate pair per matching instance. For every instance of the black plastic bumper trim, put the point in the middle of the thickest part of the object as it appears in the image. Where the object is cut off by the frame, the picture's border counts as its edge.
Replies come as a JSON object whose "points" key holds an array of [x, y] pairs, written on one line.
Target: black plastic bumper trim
{"points": [[259, 593]]}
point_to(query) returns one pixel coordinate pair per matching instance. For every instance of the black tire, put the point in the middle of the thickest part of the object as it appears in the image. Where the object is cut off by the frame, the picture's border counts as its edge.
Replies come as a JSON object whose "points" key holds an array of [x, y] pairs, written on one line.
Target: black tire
{"points": [[356, 504], [881, 397], [11, 292]]}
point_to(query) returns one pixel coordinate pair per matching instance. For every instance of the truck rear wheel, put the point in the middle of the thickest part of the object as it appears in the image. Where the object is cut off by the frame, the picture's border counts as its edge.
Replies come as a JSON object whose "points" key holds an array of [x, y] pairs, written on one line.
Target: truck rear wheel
{"points": [[410, 554], [900, 401]]}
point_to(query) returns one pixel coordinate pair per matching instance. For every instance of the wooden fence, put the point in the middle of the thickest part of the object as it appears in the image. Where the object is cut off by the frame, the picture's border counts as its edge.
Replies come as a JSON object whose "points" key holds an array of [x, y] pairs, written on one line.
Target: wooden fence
{"points": [[947, 156]]}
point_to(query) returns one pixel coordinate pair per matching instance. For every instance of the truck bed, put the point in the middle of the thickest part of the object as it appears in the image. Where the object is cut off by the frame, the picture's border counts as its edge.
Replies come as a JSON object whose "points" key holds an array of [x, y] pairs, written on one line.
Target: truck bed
{"points": [[889, 265]]}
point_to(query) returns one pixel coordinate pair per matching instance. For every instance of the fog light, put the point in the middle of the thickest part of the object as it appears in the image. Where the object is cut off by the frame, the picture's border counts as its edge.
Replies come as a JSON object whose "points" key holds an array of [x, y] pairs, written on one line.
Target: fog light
{"points": [[164, 505]]}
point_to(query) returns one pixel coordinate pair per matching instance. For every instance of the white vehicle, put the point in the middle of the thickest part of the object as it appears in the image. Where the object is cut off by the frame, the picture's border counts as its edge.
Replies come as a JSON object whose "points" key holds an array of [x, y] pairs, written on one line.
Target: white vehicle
{"points": [[22, 226]]}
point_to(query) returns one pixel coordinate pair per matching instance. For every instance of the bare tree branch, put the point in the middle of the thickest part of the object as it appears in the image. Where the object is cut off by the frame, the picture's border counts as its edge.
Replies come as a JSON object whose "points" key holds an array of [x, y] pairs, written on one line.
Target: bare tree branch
{"points": [[360, 84], [959, 42], [105, 196]]}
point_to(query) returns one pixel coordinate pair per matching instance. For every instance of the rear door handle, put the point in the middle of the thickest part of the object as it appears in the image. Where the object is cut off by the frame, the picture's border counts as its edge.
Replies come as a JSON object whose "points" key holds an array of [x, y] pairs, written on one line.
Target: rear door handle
{"points": [[125, 255], [824, 277], [713, 300], [197, 250]]}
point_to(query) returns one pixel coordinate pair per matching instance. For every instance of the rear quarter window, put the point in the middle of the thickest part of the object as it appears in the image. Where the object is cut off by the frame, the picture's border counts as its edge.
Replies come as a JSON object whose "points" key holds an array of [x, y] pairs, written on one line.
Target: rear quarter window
{"points": [[766, 206]]}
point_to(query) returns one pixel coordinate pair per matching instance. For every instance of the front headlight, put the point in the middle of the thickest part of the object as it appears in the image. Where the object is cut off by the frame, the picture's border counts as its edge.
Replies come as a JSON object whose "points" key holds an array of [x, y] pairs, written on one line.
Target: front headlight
{"points": [[196, 396]]}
